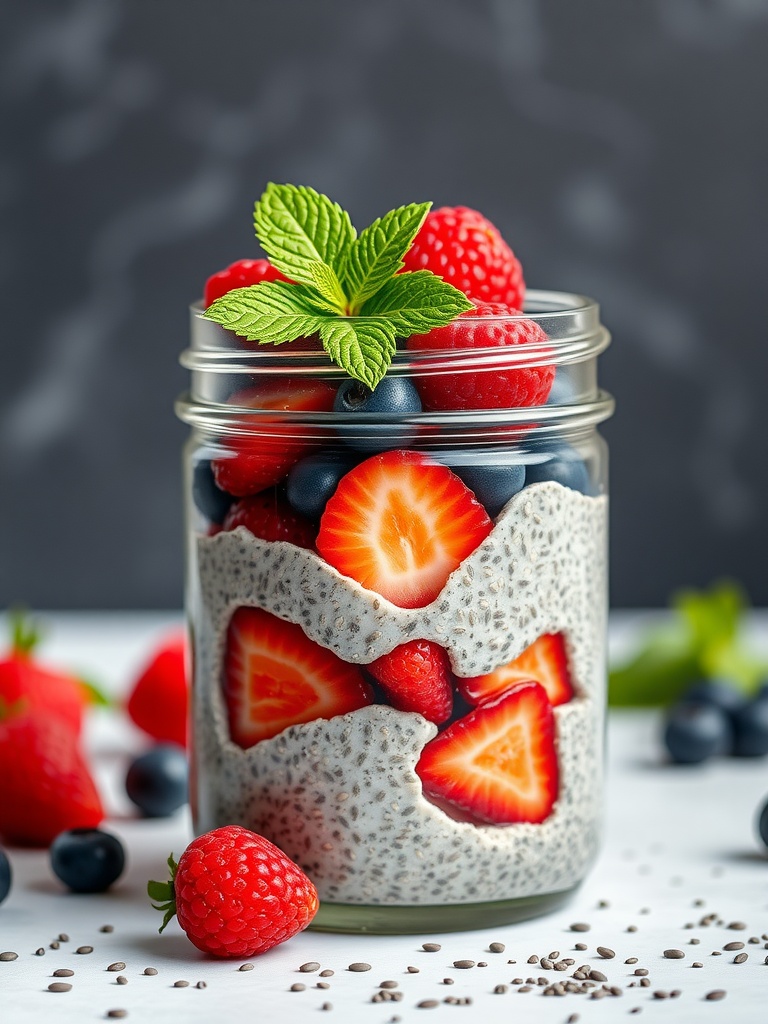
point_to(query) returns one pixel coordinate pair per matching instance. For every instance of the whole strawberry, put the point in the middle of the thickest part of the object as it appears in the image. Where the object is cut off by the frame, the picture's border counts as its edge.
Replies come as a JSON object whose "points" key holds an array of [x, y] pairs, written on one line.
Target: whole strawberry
{"points": [[235, 893], [46, 784], [158, 700], [466, 250]]}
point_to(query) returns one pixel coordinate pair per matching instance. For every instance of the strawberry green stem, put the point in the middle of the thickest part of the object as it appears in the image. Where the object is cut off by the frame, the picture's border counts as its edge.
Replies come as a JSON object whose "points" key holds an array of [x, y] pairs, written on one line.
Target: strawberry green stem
{"points": [[163, 895]]}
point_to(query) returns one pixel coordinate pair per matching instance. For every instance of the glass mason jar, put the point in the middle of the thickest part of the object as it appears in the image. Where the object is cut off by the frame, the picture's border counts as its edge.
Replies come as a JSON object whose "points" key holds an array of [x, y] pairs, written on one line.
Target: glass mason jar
{"points": [[431, 755]]}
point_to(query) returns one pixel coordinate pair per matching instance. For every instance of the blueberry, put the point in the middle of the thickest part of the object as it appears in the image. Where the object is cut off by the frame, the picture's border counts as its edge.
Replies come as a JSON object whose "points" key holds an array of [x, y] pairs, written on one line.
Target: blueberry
{"points": [[157, 782], [393, 396], [87, 859], [313, 480], [207, 495], [493, 485], [562, 464], [694, 732], [750, 728], [716, 692], [5, 875], [563, 388], [762, 823]]}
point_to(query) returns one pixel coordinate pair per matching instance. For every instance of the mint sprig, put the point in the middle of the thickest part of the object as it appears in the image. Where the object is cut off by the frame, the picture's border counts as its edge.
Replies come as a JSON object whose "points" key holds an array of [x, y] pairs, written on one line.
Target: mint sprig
{"points": [[346, 288]]}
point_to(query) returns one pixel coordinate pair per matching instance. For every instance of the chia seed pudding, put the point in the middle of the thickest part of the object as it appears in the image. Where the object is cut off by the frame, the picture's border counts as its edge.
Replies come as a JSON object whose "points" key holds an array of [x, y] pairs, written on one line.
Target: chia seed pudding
{"points": [[341, 796]]}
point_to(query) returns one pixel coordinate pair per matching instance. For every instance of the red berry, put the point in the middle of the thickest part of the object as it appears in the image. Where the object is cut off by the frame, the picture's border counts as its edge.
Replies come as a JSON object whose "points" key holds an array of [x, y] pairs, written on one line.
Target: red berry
{"points": [[239, 275], [236, 894], [466, 250], [270, 517], [498, 764], [255, 461], [275, 676], [400, 524], [416, 676], [545, 660], [484, 327], [46, 784], [159, 698]]}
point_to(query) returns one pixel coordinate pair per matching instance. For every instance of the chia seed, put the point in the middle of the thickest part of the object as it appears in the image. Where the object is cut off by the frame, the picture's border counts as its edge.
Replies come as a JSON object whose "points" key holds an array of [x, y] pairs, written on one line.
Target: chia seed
{"points": [[431, 947], [60, 986], [63, 972], [118, 965]]}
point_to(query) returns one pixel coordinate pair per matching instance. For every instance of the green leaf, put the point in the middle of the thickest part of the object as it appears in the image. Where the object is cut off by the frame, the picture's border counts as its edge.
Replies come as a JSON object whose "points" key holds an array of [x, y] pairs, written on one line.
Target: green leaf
{"points": [[417, 301], [377, 254], [269, 312], [95, 694], [298, 227], [363, 346], [25, 632], [160, 892], [327, 284]]}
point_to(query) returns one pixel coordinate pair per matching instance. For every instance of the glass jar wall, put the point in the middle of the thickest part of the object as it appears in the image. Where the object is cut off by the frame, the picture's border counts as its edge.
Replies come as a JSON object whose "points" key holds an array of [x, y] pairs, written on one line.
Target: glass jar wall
{"points": [[398, 614]]}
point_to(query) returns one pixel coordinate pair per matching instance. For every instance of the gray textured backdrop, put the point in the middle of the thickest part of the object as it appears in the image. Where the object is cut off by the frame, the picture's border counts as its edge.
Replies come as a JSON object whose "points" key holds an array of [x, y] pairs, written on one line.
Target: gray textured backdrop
{"points": [[621, 147]]}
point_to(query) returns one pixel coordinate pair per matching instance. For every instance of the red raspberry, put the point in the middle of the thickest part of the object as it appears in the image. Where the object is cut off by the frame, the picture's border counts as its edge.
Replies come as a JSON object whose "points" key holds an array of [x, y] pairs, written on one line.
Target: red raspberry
{"points": [[467, 251], [490, 389], [416, 676], [159, 698], [239, 275], [235, 893], [270, 517]]}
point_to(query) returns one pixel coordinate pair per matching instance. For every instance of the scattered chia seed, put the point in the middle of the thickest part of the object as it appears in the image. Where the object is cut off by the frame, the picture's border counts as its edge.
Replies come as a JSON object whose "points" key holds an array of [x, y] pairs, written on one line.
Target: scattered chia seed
{"points": [[631, 927], [500, 990], [581, 946], [641, 972], [84, 949], [716, 952], [737, 926], [464, 965], [150, 970], [118, 965], [741, 958], [597, 976], [694, 942], [54, 944], [388, 984], [427, 1004], [63, 972], [533, 959], [121, 979], [323, 984], [40, 951], [696, 964], [605, 953], [481, 963], [431, 947], [63, 937], [496, 947], [412, 970], [359, 968], [753, 940], [580, 926], [715, 994], [60, 986], [327, 1006], [645, 982], [245, 967], [297, 987], [181, 984], [660, 994], [117, 1013], [201, 984], [731, 947], [636, 1009], [327, 973], [524, 988], [645, 910], [674, 954], [449, 981], [311, 965], [675, 993], [631, 960], [107, 928], [572, 1019], [546, 964]]}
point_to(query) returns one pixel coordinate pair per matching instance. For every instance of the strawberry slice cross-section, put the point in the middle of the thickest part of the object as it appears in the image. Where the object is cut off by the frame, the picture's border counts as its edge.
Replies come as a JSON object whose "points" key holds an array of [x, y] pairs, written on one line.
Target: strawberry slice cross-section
{"points": [[545, 660], [399, 524], [498, 764], [275, 676]]}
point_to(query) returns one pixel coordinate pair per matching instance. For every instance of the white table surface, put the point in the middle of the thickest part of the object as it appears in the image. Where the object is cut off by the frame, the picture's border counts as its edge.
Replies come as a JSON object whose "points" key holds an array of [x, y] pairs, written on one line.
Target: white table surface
{"points": [[673, 837]]}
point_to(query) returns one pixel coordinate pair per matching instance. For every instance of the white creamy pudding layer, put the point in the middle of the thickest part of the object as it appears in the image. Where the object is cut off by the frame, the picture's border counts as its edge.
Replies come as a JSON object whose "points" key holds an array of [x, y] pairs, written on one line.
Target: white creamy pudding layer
{"points": [[341, 796]]}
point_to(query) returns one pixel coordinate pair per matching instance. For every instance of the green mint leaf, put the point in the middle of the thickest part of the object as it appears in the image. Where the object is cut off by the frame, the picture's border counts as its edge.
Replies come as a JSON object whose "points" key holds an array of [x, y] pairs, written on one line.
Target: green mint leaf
{"points": [[328, 286], [417, 301], [363, 346], [378, 253], [298, 227], [271, 312]]}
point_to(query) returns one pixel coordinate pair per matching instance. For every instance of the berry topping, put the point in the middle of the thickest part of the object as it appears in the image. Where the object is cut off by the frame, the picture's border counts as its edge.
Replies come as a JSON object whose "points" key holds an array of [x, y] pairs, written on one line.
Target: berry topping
{"points": [[498, 388], [313, 480], [762, 824], [270, 517], [750, 729], [235, 893], [696, 732], [545, 661], [256, 461], [6, 875], [416, 676], [393, 396], [47, 786], [275, 676], [499, 763], [239, 275], [157, 782], [561, 463], [87, 859], [400, 524], [207, 495], [493, 484], [159, 698], [463, 248]]}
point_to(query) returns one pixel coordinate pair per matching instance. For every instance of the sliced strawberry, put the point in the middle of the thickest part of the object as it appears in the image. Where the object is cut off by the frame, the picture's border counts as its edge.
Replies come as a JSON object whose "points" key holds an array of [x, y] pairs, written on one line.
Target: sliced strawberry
{"points": [[270, 517], [159, 699], [275, 676], [400, 524], [499, 763], [256, 461], [239, 275], [416, 676], [545, 660]]}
